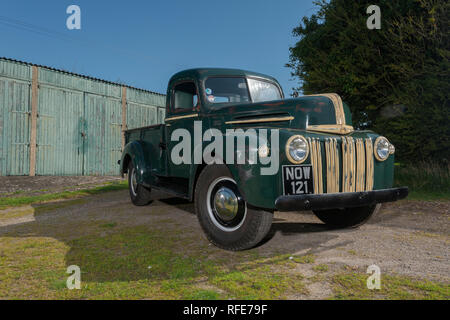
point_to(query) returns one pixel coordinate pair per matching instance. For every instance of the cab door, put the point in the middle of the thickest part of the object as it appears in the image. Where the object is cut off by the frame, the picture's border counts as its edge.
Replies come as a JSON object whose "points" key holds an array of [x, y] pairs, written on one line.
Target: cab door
{"points": [[184, 110]]}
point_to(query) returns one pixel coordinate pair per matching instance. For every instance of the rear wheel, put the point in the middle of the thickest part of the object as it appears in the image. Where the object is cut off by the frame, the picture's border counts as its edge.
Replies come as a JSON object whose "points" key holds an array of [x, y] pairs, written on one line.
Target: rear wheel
{"points": [[347, 217], [223, 213], [140, 195]]}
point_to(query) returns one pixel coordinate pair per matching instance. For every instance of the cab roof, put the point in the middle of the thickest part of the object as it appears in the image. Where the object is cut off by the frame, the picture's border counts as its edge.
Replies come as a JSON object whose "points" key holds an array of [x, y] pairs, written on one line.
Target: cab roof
{"points": [[202, 73]]}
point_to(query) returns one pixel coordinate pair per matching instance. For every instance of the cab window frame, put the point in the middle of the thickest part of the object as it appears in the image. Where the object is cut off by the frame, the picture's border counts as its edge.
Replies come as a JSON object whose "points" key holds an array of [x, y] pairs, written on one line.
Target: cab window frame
{"points": [[224, 103], [173, 110], [280, 91]]}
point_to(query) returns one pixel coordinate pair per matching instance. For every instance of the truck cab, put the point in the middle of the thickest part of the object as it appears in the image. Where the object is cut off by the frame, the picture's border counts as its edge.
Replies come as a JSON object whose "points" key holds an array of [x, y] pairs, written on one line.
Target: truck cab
{"points": [[233, 144]]}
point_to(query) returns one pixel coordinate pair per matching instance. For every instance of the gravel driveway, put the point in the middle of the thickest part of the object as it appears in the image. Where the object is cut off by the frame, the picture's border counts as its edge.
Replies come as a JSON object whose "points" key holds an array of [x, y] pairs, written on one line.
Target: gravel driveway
{"points": [[409, 238]]}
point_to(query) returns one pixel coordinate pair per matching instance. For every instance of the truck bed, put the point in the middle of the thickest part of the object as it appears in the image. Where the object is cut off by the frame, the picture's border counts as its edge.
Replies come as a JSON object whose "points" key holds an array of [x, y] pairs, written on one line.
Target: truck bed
{"points": [[147, 134]]}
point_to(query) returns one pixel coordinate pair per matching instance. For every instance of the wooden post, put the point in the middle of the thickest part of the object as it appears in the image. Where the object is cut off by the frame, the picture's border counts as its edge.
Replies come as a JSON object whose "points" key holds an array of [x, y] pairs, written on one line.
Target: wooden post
{"points": [[124, 114], [34, 106]]}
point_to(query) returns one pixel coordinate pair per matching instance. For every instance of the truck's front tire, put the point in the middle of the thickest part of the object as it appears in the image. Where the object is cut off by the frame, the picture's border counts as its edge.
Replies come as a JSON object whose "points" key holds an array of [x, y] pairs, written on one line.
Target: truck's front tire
{"points": [[140, 195], [347, 217], [223, 213]]}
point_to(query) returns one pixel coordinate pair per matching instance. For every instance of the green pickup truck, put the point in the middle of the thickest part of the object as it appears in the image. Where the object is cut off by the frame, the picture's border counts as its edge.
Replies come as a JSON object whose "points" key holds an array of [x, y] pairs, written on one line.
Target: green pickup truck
{"points": [[236, 147]]}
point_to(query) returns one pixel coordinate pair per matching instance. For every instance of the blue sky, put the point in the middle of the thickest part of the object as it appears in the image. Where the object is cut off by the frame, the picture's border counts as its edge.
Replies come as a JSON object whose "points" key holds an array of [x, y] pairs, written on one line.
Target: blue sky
{"points": [[142, 43]]}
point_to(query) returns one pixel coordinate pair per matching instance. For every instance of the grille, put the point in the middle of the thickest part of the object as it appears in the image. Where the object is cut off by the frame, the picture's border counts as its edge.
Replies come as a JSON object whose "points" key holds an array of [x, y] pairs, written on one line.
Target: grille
{"points": [[347, 162]]}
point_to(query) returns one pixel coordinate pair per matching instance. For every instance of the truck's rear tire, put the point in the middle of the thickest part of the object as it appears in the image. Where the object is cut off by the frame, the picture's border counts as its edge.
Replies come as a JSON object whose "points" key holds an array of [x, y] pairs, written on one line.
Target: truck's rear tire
{"points": [[347, 217], [140, 195], [223, 213]]}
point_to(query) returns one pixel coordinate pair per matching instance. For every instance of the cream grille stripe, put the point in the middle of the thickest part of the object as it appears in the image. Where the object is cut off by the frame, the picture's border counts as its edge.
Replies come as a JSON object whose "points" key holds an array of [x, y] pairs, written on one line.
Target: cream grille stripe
{"points": [[348, 165], [361, 165], [182, 117], [331, 128], [332, 160], [316, 162], [319, 165], [353, 160], [344, 165], [313, 163], [329, 165], [357, 164], [369, 164], [288, 118]]}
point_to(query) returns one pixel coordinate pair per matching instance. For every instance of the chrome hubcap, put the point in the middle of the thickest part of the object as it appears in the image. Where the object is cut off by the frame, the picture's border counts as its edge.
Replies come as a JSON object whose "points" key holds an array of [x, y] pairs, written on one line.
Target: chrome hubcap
{"points": [[226, 204], [226, 207]]}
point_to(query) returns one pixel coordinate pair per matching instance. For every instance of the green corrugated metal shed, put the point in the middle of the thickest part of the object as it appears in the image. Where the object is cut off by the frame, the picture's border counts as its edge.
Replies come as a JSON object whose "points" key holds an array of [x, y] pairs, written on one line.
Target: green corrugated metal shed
{"points": [[78, 120]]}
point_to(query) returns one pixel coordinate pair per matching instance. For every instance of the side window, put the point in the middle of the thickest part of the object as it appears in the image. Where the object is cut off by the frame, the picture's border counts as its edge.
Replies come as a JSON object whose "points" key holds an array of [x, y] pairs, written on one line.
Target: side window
{"points": [[185, 96]]}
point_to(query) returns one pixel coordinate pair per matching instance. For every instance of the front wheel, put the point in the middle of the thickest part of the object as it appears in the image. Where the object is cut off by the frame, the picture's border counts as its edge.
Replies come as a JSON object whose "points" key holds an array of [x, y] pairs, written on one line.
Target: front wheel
{"points": [[347, 217], [223, 213]]}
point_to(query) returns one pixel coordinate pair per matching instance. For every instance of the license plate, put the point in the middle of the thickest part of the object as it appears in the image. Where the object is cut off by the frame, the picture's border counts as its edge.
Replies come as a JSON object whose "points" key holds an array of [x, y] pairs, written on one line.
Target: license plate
{"points": [[297, 180]]}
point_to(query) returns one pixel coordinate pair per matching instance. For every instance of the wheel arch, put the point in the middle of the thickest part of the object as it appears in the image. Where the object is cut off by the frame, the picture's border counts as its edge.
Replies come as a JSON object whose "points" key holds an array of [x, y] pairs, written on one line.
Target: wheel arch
{"points": [[198, 168], [134, 152]]}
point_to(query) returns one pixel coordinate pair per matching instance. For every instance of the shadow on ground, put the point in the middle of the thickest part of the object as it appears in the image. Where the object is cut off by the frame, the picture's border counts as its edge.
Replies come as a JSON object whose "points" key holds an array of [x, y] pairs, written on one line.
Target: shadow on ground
{"points": [[111, 240]]}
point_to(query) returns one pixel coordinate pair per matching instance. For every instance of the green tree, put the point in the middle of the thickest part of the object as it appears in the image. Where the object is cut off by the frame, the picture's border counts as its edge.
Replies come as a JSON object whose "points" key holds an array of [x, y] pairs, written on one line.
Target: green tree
{"points": [[396, 80]]}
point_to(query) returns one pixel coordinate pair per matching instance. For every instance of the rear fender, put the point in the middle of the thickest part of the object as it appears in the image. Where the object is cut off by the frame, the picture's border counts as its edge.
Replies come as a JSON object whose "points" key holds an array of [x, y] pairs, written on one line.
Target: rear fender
{"points": [[135, 152]]}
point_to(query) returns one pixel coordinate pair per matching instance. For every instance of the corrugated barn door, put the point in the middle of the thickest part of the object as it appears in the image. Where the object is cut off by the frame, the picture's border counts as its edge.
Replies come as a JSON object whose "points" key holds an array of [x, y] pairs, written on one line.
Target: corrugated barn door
{"points": [[59, 141], [102, 141], [14, 127]]}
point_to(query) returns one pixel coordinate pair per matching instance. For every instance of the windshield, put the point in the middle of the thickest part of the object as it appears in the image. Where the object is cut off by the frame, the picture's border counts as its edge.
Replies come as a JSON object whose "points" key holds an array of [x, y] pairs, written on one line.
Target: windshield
{"points": [[263, 90], [235, 90], [226, 89]]}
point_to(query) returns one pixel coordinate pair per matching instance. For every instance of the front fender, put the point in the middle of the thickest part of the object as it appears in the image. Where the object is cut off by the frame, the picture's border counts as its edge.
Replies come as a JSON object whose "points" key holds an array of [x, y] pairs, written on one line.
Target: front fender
{"points": [[135, 152]]}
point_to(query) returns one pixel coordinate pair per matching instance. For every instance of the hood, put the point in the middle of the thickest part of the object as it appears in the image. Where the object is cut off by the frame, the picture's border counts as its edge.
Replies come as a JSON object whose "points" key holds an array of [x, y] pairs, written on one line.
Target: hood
{"points": [[320, 113]]}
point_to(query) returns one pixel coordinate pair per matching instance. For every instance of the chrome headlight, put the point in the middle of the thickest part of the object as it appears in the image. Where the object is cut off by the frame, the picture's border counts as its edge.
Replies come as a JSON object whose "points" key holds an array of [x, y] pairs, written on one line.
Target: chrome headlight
{"points": [[297, 149], [382, 148]]}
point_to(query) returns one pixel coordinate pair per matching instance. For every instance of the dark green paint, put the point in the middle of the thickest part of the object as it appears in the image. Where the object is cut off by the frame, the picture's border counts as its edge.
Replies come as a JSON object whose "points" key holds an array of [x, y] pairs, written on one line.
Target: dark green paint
{"points": [[143, 145]]}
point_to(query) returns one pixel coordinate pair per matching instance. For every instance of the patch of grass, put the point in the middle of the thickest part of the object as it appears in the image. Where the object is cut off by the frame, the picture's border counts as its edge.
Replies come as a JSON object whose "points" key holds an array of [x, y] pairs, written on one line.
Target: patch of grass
{"points": [[128, 263], [47, 207], [307, 258], [58, 284], [426, 180], [19, 212], [20, 201], [317, 278], [109, 225], [134, 253], [354, 286], [201, 294], [138, 263], [321, 268], [258, 283], [428, 196], [28, 210]]}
